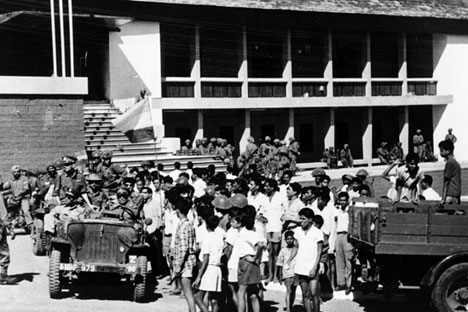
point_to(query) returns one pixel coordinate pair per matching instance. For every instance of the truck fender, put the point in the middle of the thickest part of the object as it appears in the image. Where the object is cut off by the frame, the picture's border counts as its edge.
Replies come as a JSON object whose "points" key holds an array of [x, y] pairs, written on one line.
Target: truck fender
{"points": [[436, 270]]}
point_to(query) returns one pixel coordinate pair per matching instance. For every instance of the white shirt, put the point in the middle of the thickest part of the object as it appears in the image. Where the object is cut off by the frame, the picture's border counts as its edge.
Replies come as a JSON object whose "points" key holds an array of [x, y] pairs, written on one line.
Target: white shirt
{"points": [[258, 200], [342, 220], [201, 236], [153, 209], [246, 242], [328, 214], [430, 194], [199, 185], [174, 174], [213, 245], [273, 211], [307, 249], [231, 236], [292, 211], [352, 194]]}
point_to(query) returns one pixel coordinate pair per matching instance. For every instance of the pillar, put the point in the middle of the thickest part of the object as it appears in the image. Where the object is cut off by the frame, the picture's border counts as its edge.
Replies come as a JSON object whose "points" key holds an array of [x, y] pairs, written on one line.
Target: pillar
{"points": [[246, 133], [403, 73], [287, 60], [199, 134], [367, 139], [243, 71], [367, 72], [290, 131], [403, 120], [328, 74], [329, 139], [196, 69]]}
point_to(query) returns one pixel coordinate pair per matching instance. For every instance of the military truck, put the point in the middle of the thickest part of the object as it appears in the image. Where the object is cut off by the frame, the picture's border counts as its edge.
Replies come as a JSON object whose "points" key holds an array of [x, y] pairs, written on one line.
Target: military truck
{"points": [[105, 246], [415, 244]]}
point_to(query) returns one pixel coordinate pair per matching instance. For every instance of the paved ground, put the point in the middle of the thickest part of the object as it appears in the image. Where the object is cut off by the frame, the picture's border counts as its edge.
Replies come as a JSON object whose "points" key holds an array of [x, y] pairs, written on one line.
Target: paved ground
{"points": [[31, 293]]}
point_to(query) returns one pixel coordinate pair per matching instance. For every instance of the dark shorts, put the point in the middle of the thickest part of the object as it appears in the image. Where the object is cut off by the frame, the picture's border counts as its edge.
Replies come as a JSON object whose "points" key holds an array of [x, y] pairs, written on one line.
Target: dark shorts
{"points": [[248, 273], [291, 281], [304, 278]]}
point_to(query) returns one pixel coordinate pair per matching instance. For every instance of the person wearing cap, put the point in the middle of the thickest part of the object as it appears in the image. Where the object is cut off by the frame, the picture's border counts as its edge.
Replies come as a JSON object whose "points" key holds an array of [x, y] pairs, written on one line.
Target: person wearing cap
{"points": [[97, 197], [204, 149], [418, 142], [124, 206], [450, 136], [70, 208], [70, 178], [346, 157], [19, 191], [318, 174], [346, 180], [265, 151], [362, 174], [47, 183], [187, 147], [294, 152], [94, 161], [250, 149], [383, 154], [222, 205], [112, 174], [397, 153], [212, 146]]}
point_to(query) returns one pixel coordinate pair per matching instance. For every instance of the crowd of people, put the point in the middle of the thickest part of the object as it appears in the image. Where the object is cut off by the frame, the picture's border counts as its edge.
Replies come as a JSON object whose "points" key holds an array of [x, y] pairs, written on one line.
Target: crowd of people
{"points": [[271, 158], [219, 237]]}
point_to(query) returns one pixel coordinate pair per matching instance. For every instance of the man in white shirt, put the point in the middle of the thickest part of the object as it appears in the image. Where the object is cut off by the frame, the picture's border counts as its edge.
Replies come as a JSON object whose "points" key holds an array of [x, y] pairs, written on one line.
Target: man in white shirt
{"points": [[153, 209], [198, 184], [344, 249], [174, 174], [307, 266]]}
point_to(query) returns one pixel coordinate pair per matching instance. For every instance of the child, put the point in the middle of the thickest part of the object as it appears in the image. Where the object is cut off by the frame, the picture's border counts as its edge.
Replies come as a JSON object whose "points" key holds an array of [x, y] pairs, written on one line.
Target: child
{"points": [[184, 254], [285, 270], [451, 190], [428, 192], [231, 252], [249, 246], [306, 269], [209, 275]]}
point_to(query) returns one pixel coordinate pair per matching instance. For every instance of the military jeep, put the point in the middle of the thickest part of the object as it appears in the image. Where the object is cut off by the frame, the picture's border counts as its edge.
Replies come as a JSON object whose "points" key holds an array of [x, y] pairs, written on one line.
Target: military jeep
{"points": [[102, 246]]}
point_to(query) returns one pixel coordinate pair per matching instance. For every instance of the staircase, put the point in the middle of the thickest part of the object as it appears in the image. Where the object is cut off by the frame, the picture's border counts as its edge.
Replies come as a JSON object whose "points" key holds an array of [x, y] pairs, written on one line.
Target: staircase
{"points": [[100, 134]]}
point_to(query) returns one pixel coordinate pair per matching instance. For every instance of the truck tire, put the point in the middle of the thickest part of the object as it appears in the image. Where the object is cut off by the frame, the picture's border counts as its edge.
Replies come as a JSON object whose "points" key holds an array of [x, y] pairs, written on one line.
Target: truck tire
{"points": [[451, 289], [140, 291], [55, 287], [39, 241]]}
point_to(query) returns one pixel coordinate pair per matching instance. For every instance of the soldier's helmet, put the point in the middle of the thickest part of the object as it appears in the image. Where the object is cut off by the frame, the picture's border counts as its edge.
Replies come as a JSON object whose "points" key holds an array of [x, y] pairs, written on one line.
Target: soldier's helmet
{"points": [[318, 172], [107, 154], [93, 177], [239, 201], [221, 202], [362, 173]]}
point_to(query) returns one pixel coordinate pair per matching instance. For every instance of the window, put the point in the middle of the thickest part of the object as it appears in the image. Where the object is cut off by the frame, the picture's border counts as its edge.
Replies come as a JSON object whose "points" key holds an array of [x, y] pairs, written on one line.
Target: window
{"points": [[309, 54]]}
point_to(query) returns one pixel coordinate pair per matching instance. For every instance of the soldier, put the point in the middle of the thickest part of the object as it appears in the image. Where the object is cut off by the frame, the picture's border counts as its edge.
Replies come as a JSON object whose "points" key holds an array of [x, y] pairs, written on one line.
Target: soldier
{"points": [[125, 208], [4, 255], [346, 157], [47, 184], [20, 193], [212, 146], [111, 174], [97, 197], [250, 149], [294, 152], [362, 174], [204, 150], [94, 162], [71, 208], [70, 178]]}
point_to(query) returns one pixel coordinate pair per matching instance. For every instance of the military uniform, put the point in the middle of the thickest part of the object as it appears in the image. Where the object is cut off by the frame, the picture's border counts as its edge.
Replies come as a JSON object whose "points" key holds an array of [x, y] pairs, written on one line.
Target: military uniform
{"points": [[72, 180], [21, 193], [64, 212]]}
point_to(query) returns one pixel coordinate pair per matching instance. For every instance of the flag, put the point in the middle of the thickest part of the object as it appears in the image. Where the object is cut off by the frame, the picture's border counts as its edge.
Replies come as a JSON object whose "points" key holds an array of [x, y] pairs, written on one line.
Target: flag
{"points": [[136, 123]]}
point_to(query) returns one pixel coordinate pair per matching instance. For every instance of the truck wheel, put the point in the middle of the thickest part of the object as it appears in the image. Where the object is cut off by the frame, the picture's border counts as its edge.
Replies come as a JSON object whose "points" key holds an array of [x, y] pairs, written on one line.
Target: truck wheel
{"points": [[38, 239], [55, 288], [140, 292], [450, 292]]}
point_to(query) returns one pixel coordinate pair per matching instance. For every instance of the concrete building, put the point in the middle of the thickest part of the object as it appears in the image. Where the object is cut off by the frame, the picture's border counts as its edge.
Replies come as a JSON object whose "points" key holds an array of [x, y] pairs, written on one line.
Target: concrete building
{"points": [[327, 73]]}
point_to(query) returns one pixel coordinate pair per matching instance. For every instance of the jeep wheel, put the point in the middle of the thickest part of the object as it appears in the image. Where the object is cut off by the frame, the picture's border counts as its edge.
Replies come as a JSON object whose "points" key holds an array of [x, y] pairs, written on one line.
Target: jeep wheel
{"points": [[38, 239], [450, 292], [140, 291], [55, 288]]}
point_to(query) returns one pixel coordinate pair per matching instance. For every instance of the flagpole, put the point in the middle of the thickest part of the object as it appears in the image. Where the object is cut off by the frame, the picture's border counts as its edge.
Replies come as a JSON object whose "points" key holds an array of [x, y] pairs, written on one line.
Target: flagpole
{"points": [[154, 132]]}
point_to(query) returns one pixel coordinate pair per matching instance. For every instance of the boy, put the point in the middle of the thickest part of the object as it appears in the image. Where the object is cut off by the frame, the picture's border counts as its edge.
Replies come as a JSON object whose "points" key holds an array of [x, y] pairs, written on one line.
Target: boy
{"points": [[306, 269], [285, 269], [184, 254], [209, 276], [451, 190], [428, 192]]}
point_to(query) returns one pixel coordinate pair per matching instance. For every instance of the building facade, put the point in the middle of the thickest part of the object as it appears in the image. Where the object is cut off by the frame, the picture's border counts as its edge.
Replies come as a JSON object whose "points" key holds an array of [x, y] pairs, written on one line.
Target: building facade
{"points": [[326, 73]]}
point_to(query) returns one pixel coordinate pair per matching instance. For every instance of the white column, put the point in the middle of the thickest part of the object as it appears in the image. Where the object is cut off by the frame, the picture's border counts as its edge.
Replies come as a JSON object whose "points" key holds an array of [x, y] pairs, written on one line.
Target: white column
{"points": [[367, 72], [246, 134], [62, 39], [54, 41], [244, 72], [404, 129], [287, 60], [290, 132], [328, 74], [199, 135], [70, 33], [329, 139], [403, 73], [367, 139], [196, 69]]}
